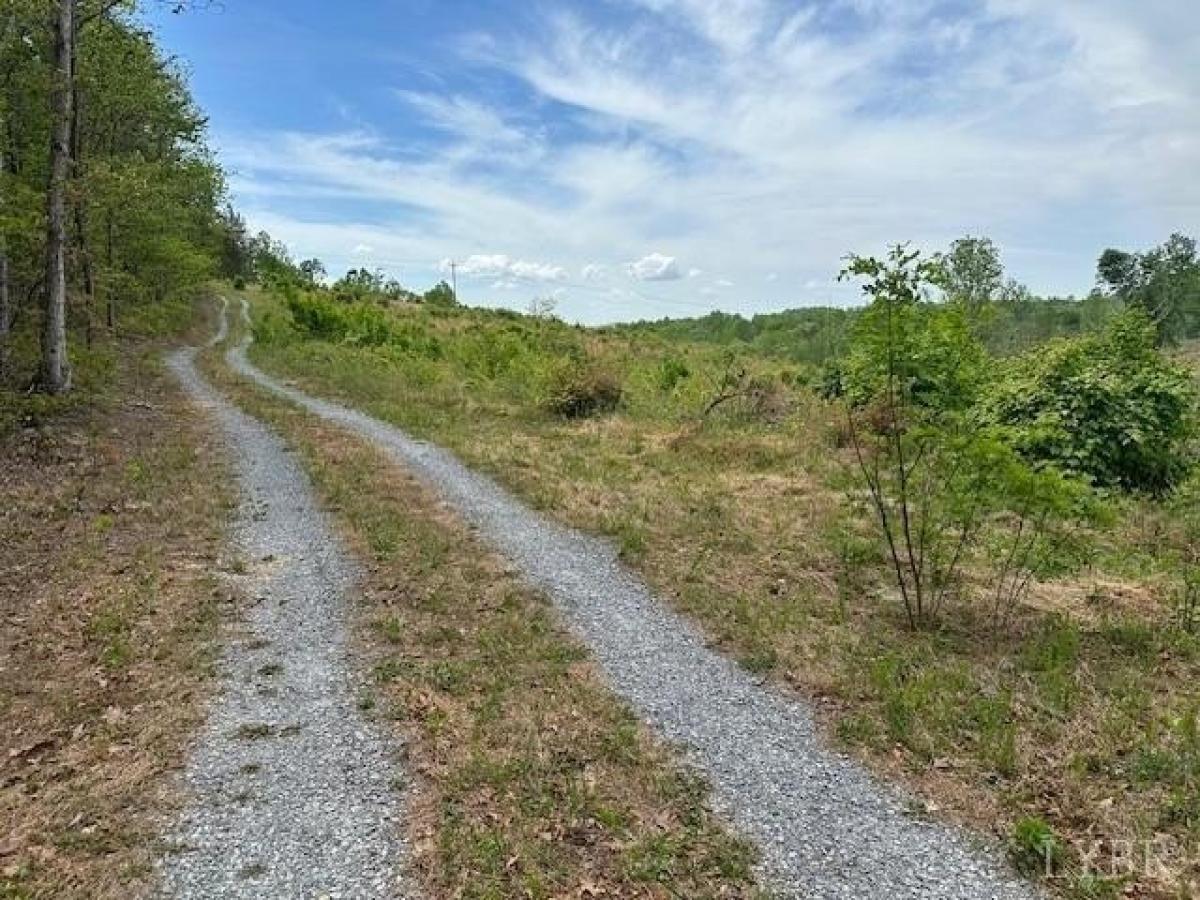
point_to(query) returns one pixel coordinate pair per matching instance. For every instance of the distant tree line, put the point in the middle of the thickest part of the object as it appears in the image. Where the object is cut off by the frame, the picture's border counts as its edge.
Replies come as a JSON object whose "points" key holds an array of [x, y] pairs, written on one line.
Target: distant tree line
{"points": [[1005, 315], [261, 259]]}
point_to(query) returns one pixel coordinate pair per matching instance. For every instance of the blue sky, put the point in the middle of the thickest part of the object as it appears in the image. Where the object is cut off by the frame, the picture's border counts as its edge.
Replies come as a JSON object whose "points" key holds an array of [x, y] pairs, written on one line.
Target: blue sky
{"points": [[642, 158]]}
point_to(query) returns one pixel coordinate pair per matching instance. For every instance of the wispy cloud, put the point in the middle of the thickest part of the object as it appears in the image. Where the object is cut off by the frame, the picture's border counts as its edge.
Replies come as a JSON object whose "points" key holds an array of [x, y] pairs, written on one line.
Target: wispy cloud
{"points": [[762, 142]]}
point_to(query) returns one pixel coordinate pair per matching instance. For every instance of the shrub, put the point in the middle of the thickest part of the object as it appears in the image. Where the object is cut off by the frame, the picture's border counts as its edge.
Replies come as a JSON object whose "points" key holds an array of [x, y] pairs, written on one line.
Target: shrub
{"points": [[581, 390], [1107, 407], [671, 371], [363, 324]]}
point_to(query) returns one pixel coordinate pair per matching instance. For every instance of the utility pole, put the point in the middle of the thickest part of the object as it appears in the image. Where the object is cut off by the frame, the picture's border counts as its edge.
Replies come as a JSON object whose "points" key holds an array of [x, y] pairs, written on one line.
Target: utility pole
{"points": [[454, 279]]}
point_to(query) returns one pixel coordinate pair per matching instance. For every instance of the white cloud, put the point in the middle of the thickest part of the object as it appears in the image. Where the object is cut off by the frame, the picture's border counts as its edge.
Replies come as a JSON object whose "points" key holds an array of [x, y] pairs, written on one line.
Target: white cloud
{"points": [[753, 136], [362, 250], [654, 267], [491, 265], [463, 117]]}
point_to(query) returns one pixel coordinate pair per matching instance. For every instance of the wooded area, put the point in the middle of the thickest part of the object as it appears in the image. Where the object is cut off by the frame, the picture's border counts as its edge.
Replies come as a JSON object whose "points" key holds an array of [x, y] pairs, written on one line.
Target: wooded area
{"points": [[111, 197]]}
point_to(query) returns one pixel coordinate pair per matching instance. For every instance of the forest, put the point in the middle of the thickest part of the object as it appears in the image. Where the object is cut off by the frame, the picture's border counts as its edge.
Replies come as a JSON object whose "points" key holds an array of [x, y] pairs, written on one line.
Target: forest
{"points": [[114, 208]]}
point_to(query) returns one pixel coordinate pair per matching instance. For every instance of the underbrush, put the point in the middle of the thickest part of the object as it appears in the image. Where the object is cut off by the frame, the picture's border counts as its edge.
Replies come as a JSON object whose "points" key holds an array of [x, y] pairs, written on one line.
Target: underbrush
{"points": [[95, 365], [1073, 714]]}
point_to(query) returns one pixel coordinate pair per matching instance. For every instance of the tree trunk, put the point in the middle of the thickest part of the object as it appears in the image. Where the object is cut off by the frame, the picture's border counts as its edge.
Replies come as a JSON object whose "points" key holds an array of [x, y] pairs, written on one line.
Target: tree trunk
{"points": [[110, 299], [5, 301], [55, 374], [81, 217], [5, 311]]}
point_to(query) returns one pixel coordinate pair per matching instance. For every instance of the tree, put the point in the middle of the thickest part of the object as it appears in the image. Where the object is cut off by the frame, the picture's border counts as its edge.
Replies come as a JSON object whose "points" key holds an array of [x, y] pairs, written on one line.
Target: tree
{"points": [[973, 274], [441, 294], [935, 480], [54, 376], [1163, 281], [313, 270], [108, 190]]}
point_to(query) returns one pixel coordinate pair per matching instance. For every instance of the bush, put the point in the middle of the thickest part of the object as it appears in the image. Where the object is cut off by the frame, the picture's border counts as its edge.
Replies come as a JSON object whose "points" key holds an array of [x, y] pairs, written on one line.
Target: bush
{"points": [[363, 324], [1107, 407], [671, 371], [583, 390], [903, 347]]}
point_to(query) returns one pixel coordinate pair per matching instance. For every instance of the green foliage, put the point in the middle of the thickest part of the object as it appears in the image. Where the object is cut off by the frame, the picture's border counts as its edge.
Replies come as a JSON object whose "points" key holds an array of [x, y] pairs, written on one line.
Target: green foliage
{"points": [[671, 371], [936, 480], [1035, 848], [441, 294], [927, 351], [972, 274], [1109, 408], [1163, 282], [358, 323], [813, 335]]}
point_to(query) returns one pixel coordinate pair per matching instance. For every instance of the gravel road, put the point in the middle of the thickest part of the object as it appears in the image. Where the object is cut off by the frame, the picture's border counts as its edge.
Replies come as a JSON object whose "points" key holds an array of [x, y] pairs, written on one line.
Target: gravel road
{"points": [[825, 827], [292, 794]]}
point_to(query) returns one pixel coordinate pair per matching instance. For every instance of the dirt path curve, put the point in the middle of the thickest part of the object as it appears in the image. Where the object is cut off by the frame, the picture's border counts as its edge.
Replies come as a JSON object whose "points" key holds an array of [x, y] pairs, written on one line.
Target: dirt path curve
{"points": [[291, 791], [825, 827]]}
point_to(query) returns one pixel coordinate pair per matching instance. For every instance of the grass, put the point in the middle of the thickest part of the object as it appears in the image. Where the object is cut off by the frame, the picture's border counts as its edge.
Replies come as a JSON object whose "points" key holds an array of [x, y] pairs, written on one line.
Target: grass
{"points": [[740, 522], [533, 780], [111, 518]]}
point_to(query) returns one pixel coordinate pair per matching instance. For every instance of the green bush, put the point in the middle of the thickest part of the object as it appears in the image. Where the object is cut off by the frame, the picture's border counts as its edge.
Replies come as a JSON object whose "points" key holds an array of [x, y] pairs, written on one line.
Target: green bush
{"points": [[922, 350], [361, 324], [581, 390], [1107, 407]]}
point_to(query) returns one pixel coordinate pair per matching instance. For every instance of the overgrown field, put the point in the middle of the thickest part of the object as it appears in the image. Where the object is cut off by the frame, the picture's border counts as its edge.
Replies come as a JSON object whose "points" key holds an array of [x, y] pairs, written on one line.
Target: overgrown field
{"points": [[112, 509], [532, 779], [1066, 726]]}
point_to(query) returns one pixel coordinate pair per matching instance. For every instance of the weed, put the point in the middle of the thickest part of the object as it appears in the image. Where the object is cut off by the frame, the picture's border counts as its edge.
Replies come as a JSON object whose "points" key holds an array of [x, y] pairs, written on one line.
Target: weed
{"points": [[1035, 848]]}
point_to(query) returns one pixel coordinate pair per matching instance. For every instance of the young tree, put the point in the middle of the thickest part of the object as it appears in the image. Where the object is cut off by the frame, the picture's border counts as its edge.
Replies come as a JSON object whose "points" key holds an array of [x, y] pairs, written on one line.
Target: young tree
{"points": [[935, 480], [313, 270]]}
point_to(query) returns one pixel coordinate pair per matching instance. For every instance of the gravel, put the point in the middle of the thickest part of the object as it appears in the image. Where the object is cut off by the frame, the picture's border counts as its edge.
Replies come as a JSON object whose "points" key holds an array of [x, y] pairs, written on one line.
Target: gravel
{"points": [[292, 794], [825, 827]]}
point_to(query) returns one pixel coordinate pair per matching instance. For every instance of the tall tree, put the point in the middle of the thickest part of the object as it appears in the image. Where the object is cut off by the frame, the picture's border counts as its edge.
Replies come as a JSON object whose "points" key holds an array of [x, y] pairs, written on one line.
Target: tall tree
{"points": [[1163, 281], [55, 374], [973, 272]]}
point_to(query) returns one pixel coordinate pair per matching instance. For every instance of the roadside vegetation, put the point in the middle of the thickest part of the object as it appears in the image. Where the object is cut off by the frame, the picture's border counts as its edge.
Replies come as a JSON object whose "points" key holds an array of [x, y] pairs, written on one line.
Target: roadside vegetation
{"points": [[975, 553], [111, 521], [532, 780]]}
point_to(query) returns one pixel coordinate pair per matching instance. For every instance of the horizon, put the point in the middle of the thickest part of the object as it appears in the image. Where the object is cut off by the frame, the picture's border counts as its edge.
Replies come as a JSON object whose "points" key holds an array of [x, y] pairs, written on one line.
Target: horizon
{"points": [[684, 142]]}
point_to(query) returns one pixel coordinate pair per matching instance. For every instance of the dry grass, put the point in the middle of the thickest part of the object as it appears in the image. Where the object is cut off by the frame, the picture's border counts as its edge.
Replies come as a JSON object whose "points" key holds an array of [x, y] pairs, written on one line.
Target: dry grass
{"points": [[110, 522], [533, 780], [1078, 714]]}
